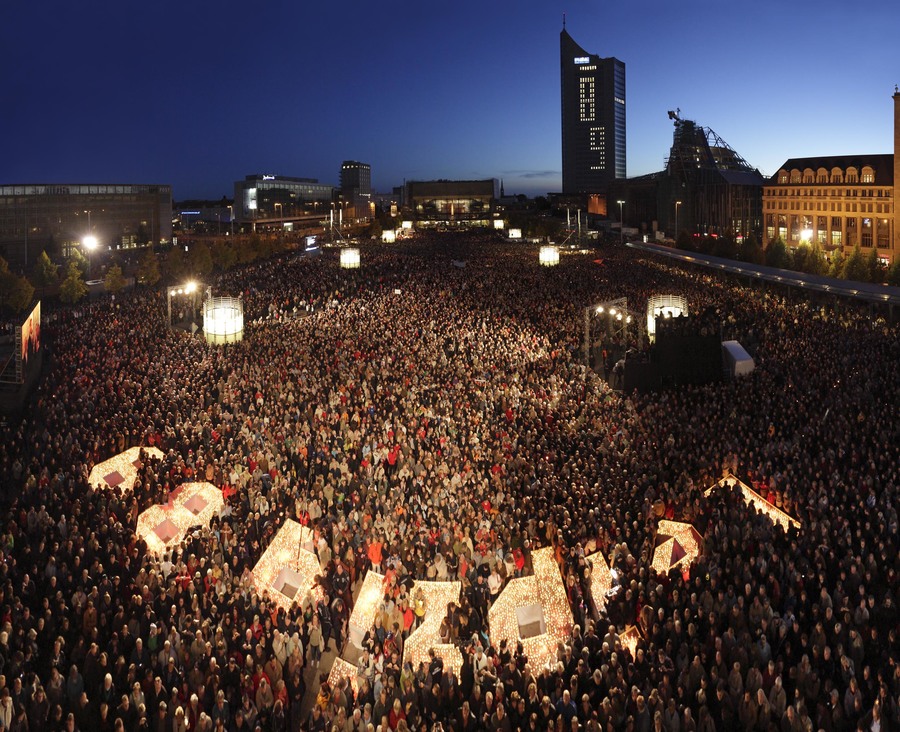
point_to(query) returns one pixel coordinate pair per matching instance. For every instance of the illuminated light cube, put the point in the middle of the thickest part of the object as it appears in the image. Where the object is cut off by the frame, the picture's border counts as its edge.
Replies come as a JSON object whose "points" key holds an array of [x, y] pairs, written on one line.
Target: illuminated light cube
{"points": [[158, 529], [388, 236], [120, 470], [548, 256], [198, 503], [350, 258], [286, 571], [754, 499]]}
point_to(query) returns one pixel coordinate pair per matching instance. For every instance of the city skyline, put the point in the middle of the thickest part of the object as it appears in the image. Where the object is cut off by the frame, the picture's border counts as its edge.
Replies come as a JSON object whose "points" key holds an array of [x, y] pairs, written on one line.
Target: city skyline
{"points": [[200, 97]]}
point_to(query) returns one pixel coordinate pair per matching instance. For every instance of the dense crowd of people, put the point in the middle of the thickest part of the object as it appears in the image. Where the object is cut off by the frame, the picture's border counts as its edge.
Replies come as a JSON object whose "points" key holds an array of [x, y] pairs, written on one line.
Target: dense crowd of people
{"points": [[428, 416]]}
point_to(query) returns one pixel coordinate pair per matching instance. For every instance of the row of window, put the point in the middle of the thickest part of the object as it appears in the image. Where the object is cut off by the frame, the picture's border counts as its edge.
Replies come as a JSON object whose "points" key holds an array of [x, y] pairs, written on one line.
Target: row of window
{"points": [[882, 208], [836, 175], [830, 192]]}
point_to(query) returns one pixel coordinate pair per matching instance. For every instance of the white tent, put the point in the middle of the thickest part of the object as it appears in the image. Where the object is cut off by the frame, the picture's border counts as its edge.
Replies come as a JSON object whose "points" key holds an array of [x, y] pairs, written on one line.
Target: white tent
{"points": [[738, 361]]}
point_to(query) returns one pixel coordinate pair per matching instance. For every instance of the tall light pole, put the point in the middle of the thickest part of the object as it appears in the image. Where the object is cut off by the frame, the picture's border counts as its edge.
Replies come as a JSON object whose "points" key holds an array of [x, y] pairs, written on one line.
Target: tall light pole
{"points": [[621, 223], [281, 219], [90, 244], [677, 204], [231, 218]]}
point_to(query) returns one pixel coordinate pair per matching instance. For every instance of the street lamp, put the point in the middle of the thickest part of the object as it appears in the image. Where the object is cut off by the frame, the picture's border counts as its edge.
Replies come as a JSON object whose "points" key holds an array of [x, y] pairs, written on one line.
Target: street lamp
{"points": [[621, 223], [281, 218], [231, 218], [677, 204], [90, 243]]}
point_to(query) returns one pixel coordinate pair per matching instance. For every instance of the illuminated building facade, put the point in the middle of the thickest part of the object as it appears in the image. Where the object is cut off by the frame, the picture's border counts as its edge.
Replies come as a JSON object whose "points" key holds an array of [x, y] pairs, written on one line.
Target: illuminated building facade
{"points": [[837, 202], [452, 201], [593, 118], [57, 217], [271, 197]]}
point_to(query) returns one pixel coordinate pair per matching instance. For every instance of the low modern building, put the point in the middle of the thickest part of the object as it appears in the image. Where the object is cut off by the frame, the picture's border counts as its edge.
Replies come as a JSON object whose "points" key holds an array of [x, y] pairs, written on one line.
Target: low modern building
{"points": [[57, 218], [452, 201], [837, 201], [278, 197]]}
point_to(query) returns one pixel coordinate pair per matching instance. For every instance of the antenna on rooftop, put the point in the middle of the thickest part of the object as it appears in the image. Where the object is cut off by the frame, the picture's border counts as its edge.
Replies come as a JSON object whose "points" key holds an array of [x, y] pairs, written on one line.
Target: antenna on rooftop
{"points": [[564, 19]]}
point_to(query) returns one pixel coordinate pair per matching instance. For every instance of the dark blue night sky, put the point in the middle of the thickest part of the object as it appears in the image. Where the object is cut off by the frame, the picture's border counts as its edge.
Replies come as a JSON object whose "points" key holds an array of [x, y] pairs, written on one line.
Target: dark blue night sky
{"points": [[199, 94]]}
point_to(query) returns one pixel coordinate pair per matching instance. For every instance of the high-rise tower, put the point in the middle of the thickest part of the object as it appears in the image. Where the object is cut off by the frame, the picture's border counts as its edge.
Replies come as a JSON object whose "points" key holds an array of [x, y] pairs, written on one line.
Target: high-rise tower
{"points": [[593, 118]]}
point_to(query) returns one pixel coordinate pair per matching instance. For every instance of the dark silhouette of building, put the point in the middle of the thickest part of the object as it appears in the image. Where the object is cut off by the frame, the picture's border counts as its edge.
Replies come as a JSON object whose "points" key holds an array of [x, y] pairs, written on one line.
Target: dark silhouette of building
{"points": [[593, 118], [706, 188]]}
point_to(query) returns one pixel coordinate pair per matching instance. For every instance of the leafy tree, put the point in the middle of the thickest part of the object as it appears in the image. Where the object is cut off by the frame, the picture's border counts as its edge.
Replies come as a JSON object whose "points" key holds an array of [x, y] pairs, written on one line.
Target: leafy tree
{"points": [[80, 260], [893, 273], [855, 267], [16, 292], [114, 280], [685, 241], [200, 261], [836, 267], [142, 236], [148, 269], [777, 254], [45, 273], [73, 287], [750, 251], [874, 270], [725, 246], [224, 256], [800, 260], [176, 263], [816, 263]]}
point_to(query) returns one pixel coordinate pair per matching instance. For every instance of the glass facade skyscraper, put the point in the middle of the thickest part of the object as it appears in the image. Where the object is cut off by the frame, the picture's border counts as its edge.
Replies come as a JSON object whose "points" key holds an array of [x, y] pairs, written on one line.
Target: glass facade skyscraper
{"points": [[593, 118]]}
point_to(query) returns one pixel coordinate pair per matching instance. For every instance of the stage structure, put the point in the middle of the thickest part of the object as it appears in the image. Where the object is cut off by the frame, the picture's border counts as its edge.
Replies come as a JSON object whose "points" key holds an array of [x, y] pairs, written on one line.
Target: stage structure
{"points": [[223, 319], [349, 258], [548, 256], [664, 306], [615, 318]]}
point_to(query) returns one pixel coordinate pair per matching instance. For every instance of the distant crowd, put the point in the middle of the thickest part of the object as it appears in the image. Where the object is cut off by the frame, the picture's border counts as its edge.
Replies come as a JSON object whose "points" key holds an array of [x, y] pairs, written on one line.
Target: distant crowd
{"points": [[428, 416]]}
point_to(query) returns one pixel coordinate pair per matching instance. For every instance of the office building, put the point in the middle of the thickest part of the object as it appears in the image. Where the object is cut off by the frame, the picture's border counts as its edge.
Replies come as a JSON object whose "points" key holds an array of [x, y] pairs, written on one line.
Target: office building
{"points": [[356, 188], [57, 218], [593, 118], [837, 201], [277, 197]]}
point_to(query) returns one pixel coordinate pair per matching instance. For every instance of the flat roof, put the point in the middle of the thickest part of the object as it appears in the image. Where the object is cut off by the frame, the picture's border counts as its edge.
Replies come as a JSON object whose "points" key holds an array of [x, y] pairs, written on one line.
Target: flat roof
{"points": [[866, 291]]}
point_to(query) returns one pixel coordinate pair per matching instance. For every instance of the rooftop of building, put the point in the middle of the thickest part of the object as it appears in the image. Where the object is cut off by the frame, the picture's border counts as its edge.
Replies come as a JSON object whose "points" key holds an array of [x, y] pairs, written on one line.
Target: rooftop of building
{"points": [[882, 165]]}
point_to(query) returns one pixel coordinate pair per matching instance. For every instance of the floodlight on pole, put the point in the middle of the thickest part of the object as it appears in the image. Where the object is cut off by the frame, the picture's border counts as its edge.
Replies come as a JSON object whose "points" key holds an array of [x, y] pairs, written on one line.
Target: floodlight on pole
{"points": [[621, 223], [677, 204], [90, 243]]}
